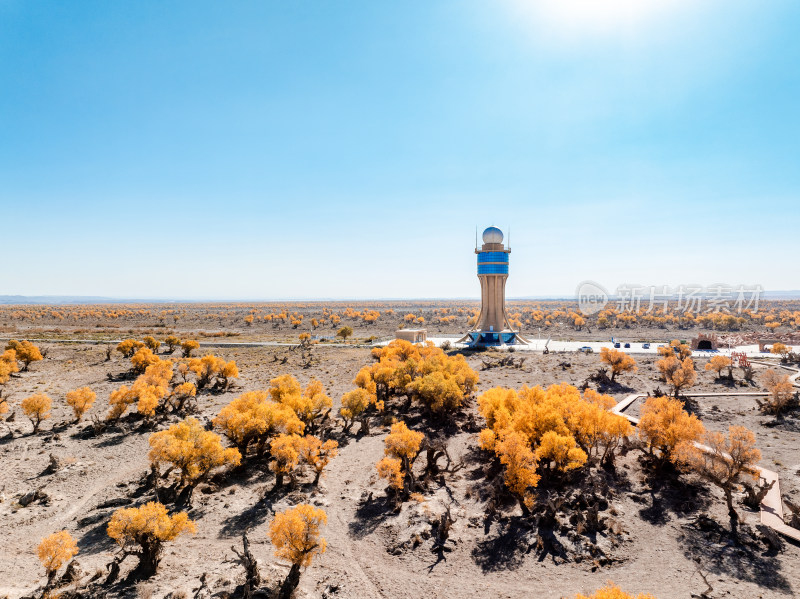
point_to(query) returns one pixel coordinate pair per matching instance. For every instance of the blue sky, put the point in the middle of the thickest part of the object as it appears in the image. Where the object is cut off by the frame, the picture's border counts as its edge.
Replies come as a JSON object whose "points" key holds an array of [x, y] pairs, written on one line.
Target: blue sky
{"points": [[273, 150]]}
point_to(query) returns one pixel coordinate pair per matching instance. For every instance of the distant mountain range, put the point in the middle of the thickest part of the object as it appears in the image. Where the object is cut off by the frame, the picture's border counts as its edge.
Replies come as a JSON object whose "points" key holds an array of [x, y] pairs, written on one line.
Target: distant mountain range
{"points": [[90, 299], [51, 300]]}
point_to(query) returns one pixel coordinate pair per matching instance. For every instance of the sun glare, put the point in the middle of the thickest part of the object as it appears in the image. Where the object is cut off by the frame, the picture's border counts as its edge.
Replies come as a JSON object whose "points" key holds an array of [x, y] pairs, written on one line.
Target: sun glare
{"points": [[597, 16]]}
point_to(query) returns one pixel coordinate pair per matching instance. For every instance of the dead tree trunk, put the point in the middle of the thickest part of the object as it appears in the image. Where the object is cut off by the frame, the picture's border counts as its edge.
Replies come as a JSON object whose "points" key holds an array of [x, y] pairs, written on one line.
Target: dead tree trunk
{"points": [[252, 575]]}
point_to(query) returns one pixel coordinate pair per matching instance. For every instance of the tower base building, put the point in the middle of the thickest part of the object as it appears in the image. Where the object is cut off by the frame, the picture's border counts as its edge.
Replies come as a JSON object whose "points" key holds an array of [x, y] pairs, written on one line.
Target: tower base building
{"points": [[493, 328]]}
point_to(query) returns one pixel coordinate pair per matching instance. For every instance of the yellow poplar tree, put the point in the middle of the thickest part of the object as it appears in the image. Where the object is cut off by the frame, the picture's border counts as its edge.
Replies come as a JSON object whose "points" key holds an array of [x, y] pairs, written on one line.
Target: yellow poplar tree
{"points": [[618, 361], [80, 400], [37, 408], [667, 427], [193, 450], [142, 531], [56, 550], [295, 534]]}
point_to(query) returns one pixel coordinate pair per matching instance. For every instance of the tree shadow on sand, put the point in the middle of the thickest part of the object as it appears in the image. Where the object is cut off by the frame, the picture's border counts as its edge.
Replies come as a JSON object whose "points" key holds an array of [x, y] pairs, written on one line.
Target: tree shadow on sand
{"points": [[670, 494], [709, 543], [255, 515], [507, 549], [370, 514], [95, 538]]}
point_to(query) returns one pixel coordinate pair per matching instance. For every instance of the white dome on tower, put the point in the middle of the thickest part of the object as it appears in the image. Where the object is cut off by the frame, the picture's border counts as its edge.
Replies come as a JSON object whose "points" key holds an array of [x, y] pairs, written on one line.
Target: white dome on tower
{"points": [[492, 235]]}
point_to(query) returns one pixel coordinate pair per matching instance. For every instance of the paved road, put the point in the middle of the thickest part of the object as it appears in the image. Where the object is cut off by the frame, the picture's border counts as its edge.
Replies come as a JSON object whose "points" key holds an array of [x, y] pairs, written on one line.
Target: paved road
{"points": [[537, 345]]}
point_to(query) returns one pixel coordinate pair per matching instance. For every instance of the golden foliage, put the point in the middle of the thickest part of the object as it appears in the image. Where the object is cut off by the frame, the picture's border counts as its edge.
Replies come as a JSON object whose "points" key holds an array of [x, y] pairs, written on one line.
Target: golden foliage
{"points": [[612, 591], [675, 348], [56, 550], [188, 346], [37, 408], [354, 404], [317, 454], [309, 404], [667, 427], [210, 366], [718, 364], [26, 352], [148, 390], [402, 447], [424, 372], [143, 358], [194, 451], [560, 450], [182, 393], [679, 374], [554, 427], [172, 342], [148, 527], [152, 343], [285, 452], [295, 533], [252, 417], [128, 347], [618, 361], [80, 400], [780, 349], [520, 464], [8, 365]]}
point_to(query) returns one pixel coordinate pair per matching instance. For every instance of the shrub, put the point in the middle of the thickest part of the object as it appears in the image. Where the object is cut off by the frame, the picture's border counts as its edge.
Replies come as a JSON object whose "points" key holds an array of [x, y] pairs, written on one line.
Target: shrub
{"points": [[718, 364], [128, 347], [781, 349], [310, 404], [183, 393], [152, 343], [679, 374], [8, 365], [143, 358], [318, 454], [355, 404], [554, 428], [172, 342], [285, 452], [188, 346], [210, 366]]}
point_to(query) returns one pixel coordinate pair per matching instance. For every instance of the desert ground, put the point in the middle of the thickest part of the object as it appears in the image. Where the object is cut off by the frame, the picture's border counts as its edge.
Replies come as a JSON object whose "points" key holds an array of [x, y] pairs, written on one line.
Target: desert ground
{"points": [[666, 531]]}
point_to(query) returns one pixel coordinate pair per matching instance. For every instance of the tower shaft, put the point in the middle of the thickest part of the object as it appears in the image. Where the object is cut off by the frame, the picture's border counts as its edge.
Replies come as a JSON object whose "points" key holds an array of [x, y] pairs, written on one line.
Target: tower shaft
{"points": [[492, 327]]}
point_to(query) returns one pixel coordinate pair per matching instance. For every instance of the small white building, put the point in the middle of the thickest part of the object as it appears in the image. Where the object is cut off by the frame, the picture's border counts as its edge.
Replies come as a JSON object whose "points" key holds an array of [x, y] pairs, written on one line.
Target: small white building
{"points": [[412, 335]]}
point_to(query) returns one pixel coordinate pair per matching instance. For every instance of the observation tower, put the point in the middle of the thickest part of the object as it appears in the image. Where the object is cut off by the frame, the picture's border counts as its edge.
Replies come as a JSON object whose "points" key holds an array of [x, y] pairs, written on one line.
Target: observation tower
{"points": [[492, 328]]}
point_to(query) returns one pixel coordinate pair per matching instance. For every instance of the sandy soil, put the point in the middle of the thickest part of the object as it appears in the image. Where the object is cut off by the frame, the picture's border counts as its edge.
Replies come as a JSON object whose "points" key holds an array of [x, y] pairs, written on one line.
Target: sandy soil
{"points": [[373, 550]]}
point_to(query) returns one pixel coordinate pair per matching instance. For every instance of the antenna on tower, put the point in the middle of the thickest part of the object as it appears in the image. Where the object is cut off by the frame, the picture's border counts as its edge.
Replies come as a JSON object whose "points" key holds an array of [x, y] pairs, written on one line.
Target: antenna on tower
{"points": [[509, 237], [476, 238]]}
